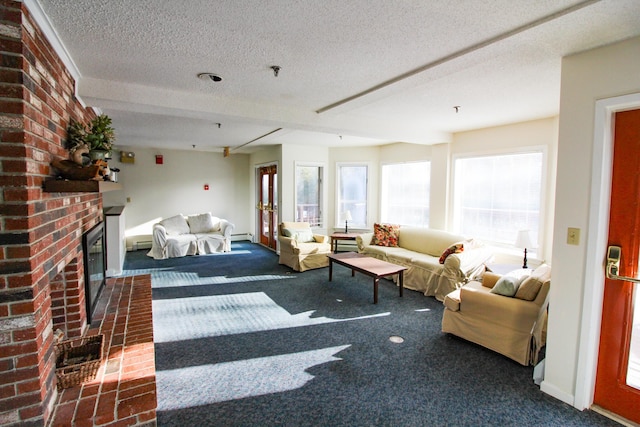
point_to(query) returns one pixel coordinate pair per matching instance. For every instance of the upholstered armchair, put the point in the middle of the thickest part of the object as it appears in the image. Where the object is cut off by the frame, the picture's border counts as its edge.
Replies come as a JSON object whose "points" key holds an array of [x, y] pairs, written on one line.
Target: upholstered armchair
{"points": [[507, 314], [300, 249]]}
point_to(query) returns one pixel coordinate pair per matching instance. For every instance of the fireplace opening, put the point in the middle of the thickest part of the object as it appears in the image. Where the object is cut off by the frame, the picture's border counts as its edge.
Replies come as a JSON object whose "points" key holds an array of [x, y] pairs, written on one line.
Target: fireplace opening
{"points": [[93, 247]]}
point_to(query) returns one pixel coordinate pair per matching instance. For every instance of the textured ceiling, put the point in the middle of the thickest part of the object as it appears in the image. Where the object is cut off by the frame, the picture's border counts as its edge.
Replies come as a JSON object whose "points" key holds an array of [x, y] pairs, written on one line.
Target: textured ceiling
{"points": [[370, 71]]}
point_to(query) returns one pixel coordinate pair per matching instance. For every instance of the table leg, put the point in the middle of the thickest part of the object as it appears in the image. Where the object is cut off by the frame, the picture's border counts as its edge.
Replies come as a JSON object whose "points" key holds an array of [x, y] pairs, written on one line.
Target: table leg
{"points": [[401, 281], [375, 290], [330, 269], [353, 273]]}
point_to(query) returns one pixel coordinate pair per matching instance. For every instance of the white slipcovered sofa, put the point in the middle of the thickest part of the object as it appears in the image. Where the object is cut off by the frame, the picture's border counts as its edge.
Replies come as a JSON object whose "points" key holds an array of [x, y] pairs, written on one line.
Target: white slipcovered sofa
{"points": [[420, 250], [181, 235]]}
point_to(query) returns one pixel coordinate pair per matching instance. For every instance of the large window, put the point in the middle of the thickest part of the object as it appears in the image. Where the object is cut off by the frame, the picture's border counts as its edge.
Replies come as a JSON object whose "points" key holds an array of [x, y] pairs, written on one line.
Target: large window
{"points": [[352, 193], [309, 194], [405, 193], [495, 196]]}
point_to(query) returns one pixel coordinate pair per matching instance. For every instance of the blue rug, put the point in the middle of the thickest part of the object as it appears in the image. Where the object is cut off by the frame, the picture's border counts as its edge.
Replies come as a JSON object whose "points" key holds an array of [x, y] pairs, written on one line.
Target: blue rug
{"points": [[241, 341]]}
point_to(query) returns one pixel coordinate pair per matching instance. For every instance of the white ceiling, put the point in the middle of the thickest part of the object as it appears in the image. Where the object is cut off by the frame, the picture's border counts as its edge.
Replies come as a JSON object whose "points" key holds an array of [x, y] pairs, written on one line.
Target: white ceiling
{"points": [[353, 72]]}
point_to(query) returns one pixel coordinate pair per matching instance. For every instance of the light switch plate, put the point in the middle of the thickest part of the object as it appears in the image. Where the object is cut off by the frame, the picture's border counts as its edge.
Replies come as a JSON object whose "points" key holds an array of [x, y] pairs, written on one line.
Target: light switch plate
{"points": [[573, 236]]}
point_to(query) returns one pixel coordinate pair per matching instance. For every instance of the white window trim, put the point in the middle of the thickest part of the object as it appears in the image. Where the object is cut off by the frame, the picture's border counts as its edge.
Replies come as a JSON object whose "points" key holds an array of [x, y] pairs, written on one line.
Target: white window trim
{"points": [[323, 201], [400, 163], [542, 231], [338, 223]]}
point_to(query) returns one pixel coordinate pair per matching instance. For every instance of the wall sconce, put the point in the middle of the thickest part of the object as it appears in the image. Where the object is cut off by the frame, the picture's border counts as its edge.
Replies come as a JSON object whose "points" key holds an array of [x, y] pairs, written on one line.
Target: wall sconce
{"points": [[127, 157]]}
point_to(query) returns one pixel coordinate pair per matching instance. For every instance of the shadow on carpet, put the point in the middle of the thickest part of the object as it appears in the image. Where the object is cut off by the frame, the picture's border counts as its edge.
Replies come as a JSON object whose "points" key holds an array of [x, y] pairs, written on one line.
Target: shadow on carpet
{"points": [[241, 340]]}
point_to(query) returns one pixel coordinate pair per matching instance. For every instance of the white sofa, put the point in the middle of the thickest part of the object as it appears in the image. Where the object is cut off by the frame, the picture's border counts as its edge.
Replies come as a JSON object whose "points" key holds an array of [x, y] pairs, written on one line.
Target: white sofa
{"points": [[181, 235], [420, 249]]}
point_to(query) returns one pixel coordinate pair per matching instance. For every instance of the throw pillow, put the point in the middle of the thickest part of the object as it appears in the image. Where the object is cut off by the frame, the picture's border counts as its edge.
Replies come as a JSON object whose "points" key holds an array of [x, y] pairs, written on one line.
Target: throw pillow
{"points": [[385, 235], [531, 286], [508, 284], [304, 236], [287, 232], [175, 225], [456, 248], [529, 289], [202, 223]]}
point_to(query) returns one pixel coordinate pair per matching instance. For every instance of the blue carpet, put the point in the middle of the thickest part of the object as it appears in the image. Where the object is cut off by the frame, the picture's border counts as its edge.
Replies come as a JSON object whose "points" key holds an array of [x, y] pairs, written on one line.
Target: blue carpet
{"points": [[243, 341]]}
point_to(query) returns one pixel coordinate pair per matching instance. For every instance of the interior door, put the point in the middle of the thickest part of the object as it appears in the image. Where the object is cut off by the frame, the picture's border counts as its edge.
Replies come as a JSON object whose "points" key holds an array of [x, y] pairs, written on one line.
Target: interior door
{"points": [[617, 386], [268, 205]]}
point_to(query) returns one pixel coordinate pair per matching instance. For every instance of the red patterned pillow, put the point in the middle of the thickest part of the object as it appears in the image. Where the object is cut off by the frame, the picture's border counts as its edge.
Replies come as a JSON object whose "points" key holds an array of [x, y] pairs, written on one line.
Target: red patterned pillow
{"points": [[456, 248], [385, 235]]}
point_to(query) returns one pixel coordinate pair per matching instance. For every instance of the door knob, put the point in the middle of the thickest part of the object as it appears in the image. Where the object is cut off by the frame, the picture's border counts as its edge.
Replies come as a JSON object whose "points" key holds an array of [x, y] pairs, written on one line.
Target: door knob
{"points": [[613, 265]]}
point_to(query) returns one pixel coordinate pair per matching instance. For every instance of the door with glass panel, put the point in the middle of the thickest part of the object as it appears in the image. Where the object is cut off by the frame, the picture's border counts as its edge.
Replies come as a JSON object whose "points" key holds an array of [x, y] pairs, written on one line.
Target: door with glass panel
{"points": [[618, 376], [268, 205]]}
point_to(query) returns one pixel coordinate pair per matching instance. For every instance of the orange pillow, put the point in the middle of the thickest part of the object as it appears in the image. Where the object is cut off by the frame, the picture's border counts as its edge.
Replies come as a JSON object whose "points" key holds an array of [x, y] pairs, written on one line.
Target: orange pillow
{"points": [[456, 248]]}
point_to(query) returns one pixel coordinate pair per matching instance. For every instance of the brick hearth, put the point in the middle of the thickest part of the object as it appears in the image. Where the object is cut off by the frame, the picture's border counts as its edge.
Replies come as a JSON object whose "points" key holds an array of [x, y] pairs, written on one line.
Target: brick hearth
{"points": [[124, 390]]}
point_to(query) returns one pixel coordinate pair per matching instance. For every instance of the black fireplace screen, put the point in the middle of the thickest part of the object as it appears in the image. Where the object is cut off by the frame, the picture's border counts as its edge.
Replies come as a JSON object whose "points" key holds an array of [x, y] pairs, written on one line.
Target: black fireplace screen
{"points": [[93, 246]]}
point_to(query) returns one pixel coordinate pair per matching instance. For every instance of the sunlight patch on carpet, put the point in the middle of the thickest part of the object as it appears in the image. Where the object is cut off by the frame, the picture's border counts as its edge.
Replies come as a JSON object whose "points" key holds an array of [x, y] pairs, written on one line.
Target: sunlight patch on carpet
{"points": [[216, 315], [185, 387], [169, 279]]}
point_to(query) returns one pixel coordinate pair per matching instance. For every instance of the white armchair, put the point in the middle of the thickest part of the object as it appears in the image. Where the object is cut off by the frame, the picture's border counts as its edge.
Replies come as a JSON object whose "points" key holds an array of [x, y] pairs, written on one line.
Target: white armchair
{"points": [[300, 249], [180, 236]]}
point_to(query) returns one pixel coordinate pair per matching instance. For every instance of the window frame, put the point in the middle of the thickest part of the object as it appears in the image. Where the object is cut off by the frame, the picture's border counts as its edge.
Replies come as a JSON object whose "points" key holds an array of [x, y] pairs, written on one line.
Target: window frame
{"points": [[542, 221], [381, 195], [339, 224], [321, 190]]}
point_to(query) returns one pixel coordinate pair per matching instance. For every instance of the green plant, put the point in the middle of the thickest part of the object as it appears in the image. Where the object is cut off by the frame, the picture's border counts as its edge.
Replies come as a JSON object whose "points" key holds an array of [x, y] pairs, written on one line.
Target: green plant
{"points": [[100, 135], [76, 135]]}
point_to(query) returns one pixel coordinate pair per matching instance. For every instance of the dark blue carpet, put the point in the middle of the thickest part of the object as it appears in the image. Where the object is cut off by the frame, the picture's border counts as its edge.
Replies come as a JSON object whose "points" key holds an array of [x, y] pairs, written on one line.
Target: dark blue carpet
{"points": [[243, 341]]}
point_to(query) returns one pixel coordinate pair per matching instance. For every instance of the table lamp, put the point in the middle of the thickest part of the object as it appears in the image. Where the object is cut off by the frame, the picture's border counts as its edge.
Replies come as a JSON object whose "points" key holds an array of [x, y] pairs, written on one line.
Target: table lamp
{"points": [[346, 217], [523, 241]]}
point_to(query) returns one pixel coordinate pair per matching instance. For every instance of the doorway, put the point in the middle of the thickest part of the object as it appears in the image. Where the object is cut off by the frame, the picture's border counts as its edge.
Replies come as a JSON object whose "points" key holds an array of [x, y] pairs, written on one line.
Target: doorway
{"points": [[617, 388], [267, 207]]}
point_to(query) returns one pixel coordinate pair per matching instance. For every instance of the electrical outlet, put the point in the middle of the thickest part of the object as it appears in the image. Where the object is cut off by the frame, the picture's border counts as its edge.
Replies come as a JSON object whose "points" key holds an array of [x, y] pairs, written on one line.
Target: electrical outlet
{"points": [[573, 236]]}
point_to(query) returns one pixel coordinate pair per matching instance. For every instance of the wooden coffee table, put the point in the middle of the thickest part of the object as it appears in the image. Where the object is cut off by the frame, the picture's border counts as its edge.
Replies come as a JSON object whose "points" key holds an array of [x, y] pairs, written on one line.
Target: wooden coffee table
{"points": [[372, 267]]}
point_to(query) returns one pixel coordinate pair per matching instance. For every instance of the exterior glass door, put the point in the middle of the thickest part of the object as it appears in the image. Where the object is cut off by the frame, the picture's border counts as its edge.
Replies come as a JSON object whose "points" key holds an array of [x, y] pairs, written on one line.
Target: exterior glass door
{"points": [[268, 205]]}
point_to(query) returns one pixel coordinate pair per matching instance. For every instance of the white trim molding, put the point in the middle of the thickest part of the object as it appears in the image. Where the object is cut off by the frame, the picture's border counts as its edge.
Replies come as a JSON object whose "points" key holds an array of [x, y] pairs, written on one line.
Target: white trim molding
{"points": [[597, 236]]}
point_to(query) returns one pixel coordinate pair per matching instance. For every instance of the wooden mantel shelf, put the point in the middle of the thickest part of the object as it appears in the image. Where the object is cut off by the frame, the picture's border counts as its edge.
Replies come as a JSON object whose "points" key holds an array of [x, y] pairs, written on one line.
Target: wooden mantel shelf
{"points": [[64, 186]]}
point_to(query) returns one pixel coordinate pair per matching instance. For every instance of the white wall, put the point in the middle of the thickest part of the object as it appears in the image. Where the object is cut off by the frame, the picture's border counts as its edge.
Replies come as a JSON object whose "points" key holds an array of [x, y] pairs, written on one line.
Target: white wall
{"points": [[177, 186], [586, 78]]}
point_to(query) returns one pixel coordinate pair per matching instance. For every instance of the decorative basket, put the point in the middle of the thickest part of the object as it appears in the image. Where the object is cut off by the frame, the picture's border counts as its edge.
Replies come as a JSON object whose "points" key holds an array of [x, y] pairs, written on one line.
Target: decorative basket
{"points": [[78, 360]]}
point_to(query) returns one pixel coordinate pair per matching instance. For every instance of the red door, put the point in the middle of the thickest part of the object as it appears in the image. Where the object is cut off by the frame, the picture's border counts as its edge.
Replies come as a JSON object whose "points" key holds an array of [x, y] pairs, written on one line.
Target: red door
{"points": [[616, 390], [268, 205]]}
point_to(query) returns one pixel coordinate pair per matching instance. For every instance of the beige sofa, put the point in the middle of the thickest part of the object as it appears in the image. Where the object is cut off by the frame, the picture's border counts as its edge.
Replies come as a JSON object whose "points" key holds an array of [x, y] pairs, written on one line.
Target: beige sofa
{"points": [[512, 326], [300, 249], [181, 235], [420, 249]]}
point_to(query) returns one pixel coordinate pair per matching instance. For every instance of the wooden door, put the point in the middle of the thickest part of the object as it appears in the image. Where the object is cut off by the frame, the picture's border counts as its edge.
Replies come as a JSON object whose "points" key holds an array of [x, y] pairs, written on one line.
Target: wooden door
{"points": [[616, 390], [268, 205]]}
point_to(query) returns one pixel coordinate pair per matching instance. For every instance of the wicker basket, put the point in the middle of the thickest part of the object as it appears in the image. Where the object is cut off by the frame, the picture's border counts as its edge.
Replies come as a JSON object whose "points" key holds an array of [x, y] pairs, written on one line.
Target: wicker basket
{"points": [[78, 360]]}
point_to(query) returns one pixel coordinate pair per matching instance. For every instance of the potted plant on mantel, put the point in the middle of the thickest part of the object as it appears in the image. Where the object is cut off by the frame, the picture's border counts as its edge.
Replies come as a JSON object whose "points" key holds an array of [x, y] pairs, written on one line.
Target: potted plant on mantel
{"points": [[96, 139], [100, 137]]}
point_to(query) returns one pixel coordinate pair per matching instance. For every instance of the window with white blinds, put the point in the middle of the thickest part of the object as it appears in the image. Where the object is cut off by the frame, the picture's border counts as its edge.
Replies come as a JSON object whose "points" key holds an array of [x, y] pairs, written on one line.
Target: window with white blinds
{"points": [[495, 196]]}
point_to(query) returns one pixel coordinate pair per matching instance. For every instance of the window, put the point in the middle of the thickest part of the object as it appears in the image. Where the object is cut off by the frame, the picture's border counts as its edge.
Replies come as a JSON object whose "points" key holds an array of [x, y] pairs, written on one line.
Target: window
{"points": [[309, 195], [405, 193], [352, 193], [495, 196]]}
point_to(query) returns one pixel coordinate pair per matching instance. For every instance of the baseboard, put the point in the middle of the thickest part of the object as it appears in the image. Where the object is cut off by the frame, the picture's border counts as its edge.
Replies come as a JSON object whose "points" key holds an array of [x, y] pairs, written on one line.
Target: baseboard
{"points": [[554, 391], [242, 236]]}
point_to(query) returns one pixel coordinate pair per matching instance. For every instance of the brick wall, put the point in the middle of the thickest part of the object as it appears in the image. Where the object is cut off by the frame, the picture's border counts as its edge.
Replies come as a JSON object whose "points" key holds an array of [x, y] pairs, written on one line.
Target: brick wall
{"points": [[41, 265]]}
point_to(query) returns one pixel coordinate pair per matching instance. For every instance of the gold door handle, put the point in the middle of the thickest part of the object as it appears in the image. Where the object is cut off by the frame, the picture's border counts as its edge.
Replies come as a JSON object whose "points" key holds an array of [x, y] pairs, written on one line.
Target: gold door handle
{"points": [[613, 265]]}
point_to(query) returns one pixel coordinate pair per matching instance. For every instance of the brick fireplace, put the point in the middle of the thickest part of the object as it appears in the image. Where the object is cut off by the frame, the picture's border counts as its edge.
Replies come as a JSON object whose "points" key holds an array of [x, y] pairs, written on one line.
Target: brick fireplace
{"points": [[41, 258]]}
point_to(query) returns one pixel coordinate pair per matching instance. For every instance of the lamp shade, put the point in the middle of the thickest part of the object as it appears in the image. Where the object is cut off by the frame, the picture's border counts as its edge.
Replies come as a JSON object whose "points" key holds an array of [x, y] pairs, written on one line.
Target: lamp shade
{"points": [[346, 216], [523, 240]]}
